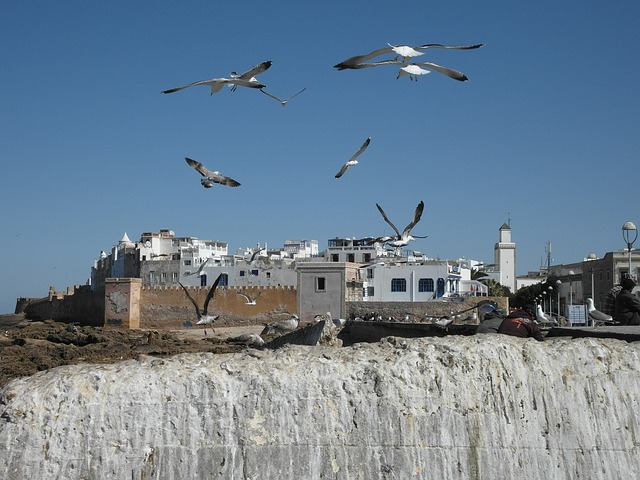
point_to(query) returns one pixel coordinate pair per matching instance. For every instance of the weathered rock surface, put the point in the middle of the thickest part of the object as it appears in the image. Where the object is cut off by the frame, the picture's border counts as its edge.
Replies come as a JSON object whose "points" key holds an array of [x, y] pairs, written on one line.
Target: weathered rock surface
{"points": [[484, 406]]}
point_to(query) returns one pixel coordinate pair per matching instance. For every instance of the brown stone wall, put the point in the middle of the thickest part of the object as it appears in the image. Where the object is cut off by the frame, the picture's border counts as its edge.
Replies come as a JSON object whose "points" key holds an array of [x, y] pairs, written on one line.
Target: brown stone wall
{"points": [[122, 302], [169, 307], [82, 306]]}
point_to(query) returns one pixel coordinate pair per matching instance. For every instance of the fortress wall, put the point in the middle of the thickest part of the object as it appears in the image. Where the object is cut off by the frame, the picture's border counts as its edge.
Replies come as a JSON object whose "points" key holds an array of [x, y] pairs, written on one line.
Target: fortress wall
{"points": [[169, 307]]}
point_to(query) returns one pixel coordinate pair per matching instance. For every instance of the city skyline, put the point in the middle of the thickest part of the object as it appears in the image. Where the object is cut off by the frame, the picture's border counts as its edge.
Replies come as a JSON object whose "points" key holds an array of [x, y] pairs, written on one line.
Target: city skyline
{"points": [[540, 136]]}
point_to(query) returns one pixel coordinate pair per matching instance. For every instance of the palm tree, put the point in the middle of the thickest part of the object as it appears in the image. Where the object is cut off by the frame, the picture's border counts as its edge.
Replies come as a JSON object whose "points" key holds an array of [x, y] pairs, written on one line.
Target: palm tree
{"points": [[496, 289]]}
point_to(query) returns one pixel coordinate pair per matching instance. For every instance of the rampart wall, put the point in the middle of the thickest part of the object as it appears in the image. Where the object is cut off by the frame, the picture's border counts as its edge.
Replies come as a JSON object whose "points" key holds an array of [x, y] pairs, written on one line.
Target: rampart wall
{"points": [[169, 307], [79, 305]]}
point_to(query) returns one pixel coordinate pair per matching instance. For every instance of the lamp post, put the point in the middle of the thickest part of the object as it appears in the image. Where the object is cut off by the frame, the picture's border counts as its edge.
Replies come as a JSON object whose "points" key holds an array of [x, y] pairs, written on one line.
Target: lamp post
{"points": [[571, 273], [544, 296], [550, 288], [630, 235], [558, 283]]}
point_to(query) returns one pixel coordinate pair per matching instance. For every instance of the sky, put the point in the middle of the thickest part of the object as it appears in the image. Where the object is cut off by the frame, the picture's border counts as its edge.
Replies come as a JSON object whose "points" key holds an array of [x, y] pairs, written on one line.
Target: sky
{"points": [[543, 136]]}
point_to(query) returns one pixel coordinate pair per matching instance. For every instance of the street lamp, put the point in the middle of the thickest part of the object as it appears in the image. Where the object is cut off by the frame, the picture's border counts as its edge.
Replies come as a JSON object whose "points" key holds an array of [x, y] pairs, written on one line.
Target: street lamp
{"points": [[550, 288], [630, 235], [558, 283], [571, 273]]}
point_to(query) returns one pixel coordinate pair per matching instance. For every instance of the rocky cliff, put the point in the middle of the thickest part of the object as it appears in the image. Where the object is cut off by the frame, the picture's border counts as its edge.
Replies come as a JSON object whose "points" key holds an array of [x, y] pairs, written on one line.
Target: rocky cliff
{"points": [[485, 406]]}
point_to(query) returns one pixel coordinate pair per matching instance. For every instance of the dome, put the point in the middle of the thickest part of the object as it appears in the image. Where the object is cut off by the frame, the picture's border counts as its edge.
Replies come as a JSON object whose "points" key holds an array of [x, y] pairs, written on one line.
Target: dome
{"points": [[125, 242]]}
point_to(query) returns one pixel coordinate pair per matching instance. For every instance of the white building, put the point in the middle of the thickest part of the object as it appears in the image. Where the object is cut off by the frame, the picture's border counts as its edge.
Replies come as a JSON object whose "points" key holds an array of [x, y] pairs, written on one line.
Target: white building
{"points": [[505, 260]]}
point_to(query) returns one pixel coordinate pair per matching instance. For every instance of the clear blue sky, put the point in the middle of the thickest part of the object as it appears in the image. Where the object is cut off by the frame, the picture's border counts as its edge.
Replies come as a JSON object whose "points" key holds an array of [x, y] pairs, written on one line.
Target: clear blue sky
{"points": [[545, 133]]}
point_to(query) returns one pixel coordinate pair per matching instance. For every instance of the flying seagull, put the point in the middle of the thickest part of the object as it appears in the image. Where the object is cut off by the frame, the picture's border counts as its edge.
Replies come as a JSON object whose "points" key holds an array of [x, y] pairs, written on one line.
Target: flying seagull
{"points": [[403, 51], [598, 317], [282, 102], [246, 79], [402, 239], [352, 161], [250, 300], [200, 268], [209, 178], [250, 75], [416, 68], [204, 318]]}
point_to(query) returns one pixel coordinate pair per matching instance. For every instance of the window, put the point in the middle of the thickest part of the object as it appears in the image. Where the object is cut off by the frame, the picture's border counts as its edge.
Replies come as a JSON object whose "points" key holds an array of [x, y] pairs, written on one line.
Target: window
{"points": [[320, 284], [174, 277], [224, 280], [335, 257], [366, 258], [268, 274], [254, 273], [152, 278], [425, 285], [351, 257], [187, 263], [398, 285], [242, 273], [163, 277], [369, 273], [369, 291]]}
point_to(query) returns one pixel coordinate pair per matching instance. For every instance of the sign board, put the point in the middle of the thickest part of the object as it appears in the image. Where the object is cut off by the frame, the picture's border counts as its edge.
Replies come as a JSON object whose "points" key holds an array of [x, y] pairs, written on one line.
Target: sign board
{"points": [[577, 315]]}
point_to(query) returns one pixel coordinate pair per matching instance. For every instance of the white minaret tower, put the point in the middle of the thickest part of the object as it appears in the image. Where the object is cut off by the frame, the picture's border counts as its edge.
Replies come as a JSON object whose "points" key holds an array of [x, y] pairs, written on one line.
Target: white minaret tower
{"points": [[504, 254]]}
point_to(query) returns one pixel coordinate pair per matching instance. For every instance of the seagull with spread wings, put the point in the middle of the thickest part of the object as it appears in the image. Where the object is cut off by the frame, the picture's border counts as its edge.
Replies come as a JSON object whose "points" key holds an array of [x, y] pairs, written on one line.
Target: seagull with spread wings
{"points": [[204, 318], [418, 68], [403, 51], [246, 79], [352, 161], [282, 102], [402, 239], [250, 300], [250, 75], [200, 271], [210, 178]]}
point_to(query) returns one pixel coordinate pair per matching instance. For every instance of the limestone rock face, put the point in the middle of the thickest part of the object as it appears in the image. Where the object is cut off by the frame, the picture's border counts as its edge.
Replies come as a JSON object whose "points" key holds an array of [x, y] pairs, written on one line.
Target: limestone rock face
{"points": [[484, 406]]}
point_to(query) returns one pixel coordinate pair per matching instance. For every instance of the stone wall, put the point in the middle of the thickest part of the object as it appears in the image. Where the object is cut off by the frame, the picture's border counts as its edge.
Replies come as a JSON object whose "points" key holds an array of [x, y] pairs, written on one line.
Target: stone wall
{"points": [[485, 406], [78, 305], [169, 308]]}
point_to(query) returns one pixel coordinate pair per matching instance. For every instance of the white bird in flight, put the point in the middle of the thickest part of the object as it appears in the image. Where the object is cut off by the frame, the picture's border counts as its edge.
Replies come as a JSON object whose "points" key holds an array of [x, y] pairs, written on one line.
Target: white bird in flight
{"points": [[246, 79], [416, 68], [204, 318], [598, 317], [403, 51], [282, 102], [401, 239], [250, 75], [200, 269], [251, 300], [352, 161], [209, 178]]}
